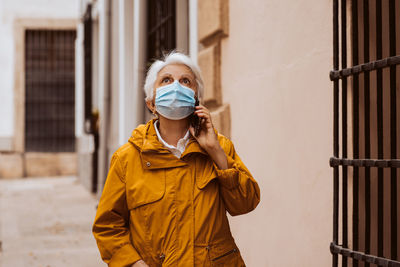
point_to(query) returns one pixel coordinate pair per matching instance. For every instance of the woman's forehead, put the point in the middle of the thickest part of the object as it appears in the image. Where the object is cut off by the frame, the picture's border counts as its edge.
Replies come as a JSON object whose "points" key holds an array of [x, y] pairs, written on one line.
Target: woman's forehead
{"points": [[176, 70]]}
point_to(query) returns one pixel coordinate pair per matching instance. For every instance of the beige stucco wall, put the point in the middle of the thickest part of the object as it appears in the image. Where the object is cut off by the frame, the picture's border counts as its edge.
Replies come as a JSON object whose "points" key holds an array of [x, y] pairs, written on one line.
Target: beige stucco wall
{"points": [[275, 66]]}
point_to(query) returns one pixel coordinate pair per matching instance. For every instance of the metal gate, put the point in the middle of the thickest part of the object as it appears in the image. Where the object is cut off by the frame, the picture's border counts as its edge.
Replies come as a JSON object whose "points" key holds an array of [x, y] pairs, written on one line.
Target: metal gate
{"points": [[50, 90], [161, 28], [366, 111]]}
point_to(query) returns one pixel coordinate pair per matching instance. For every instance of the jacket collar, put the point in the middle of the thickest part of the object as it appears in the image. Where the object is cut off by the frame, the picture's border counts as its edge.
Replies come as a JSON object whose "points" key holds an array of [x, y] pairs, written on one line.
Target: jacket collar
{"points": [[153, 154]]}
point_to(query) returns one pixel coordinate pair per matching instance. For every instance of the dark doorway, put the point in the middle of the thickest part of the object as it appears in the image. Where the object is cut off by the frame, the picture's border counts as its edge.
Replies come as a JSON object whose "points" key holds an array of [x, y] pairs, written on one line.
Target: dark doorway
{"points": [[161, 28], [50, 90]]}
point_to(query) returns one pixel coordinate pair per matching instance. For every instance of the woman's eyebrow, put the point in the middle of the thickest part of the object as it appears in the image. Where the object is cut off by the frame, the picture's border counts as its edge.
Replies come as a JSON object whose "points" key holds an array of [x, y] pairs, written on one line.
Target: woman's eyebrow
{"points": [[186, 75]]}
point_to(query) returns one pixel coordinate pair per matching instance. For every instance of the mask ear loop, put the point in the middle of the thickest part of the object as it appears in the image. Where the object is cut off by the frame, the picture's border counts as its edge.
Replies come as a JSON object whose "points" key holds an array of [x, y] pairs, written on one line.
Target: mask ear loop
{"points": [[155, 113]]}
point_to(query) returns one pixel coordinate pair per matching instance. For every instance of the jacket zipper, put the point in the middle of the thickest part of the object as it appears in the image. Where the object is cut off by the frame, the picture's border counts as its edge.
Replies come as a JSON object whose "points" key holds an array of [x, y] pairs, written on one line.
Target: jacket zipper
{"points": [[225, 254]]}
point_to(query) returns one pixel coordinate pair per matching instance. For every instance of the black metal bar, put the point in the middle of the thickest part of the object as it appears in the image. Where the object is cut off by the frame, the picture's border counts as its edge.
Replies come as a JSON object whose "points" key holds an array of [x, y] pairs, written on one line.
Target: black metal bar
{"points": [[359, 256], [393, 132], [61, 89], [357, 69], [379, 163], [161, 23], [343, 17], [367, 139], [72, 95], [354, 11], [379, 81], [28, 65], [88, 125], [335, 129]]}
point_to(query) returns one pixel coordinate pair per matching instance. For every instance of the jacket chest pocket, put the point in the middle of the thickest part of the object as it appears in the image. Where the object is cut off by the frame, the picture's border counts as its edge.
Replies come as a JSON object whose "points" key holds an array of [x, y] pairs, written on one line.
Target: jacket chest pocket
{"points": [[145, 188]]}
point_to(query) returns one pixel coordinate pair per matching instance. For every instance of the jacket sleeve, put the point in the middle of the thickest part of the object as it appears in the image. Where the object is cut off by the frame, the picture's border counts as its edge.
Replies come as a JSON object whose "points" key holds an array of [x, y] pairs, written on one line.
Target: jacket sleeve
{"points": [[111, 225], [239, 190]]}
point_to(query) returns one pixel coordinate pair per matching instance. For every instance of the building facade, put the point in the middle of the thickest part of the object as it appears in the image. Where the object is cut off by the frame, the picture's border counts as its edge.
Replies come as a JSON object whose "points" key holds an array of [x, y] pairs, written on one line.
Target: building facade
{"points": [[79, 66], [265, 66], [37, 130]]}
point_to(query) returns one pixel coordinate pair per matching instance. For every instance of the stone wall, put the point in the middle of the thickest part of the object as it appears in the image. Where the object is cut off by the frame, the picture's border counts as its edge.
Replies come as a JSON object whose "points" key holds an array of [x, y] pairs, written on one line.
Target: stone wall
{"points": [[213, 25], [31, 164]]}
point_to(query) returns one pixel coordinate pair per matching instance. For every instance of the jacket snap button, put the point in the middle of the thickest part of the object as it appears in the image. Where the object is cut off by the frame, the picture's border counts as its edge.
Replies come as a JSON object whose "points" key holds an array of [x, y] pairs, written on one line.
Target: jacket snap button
{"points": [[148, 164], [162, 256]]}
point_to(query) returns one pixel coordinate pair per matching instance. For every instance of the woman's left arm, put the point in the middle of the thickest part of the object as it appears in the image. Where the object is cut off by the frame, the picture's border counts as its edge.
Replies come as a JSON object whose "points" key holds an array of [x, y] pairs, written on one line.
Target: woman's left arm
{"points": [[239, 190]]}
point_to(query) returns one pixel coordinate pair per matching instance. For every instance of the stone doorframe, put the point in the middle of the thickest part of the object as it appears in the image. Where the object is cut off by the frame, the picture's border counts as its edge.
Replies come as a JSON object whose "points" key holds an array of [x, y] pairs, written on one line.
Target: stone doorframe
{"points": [[20, 25], [33, 163]]}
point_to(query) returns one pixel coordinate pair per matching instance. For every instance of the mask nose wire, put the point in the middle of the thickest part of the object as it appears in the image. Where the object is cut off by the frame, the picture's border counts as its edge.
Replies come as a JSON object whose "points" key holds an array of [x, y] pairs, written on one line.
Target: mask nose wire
{"points": [[195, 94]]}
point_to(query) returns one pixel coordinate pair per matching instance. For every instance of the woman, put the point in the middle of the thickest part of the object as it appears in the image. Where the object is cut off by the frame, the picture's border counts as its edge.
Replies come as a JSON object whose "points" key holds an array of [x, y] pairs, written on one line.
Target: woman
{"points": [[168, 189]]}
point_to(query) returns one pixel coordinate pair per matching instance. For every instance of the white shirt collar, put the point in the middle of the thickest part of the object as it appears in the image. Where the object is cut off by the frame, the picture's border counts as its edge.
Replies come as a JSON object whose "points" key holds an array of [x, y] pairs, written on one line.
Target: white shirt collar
{"points": [[181, 146]]}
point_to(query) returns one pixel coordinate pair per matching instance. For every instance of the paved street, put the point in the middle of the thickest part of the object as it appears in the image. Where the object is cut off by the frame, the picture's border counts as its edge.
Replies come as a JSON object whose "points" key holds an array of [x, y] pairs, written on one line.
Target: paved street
{"points": [[46, 222]]}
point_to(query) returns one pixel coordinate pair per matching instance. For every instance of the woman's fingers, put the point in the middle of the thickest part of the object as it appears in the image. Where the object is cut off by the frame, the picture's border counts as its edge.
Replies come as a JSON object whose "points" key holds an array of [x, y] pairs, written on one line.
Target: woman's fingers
{"points": [[205, 120], [203, 113], [202, 108]]}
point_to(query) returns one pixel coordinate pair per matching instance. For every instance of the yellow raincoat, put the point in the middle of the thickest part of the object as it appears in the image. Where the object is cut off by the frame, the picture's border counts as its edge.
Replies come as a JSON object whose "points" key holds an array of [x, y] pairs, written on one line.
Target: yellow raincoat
{"points": [[169, 211]]}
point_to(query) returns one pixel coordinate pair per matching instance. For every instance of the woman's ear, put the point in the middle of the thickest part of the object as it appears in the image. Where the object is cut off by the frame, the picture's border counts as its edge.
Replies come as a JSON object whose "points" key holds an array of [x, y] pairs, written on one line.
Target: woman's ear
{"points": [[151, 106]]}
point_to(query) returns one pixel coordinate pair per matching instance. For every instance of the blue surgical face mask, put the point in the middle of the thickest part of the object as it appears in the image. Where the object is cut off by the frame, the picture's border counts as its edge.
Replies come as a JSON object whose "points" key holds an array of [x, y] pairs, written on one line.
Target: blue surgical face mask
{"points": [[175, 101]]}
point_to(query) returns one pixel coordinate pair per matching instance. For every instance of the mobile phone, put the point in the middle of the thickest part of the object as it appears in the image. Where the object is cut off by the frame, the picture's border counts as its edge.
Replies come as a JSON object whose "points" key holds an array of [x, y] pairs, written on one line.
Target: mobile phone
{"points": [[195, 121]]}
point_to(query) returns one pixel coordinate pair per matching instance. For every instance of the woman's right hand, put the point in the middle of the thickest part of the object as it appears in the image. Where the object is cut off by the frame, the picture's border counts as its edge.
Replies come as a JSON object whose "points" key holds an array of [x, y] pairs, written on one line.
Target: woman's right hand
{"points": [[140, 263]]}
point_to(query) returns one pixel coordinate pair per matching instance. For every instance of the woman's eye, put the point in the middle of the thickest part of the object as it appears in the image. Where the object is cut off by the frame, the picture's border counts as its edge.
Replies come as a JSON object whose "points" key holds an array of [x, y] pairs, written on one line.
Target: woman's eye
{"points": [[165, 80], [185, 81]]}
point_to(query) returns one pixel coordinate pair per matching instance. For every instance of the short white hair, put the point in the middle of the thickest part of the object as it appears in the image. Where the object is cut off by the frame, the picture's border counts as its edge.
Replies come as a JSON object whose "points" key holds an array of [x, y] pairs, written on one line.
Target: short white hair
{"points": [[172, 58]]}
